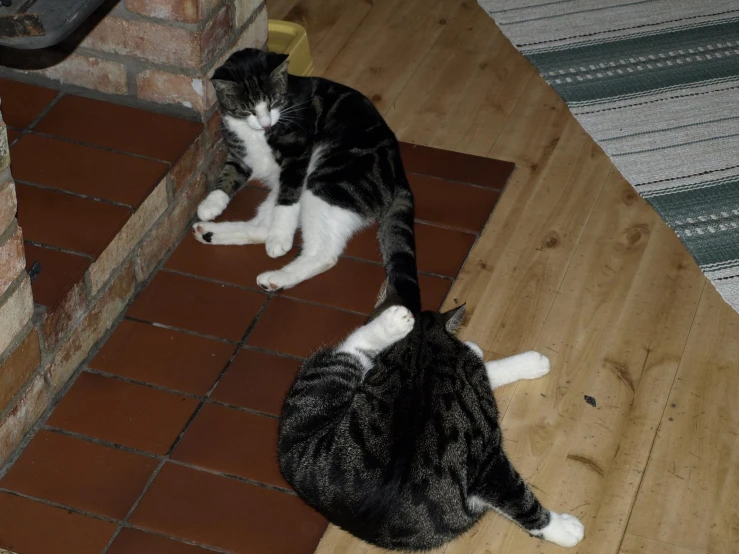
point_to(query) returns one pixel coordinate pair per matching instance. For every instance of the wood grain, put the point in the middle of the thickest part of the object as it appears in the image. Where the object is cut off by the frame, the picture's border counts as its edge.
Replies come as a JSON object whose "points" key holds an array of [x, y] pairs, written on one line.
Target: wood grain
{"points": [[572, 263]]}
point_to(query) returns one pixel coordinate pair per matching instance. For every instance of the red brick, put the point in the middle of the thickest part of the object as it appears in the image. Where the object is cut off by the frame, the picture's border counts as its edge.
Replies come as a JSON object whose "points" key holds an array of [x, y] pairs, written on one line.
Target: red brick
{"points": [[12, 259], [188, 164], [8, 204], [169, 88], [27, 408], [244, 10], [18, 367], [92, 328], [16, 310], [90, 72], [169, 229], [149, 41], [217, 33], [180, 10], [65, 316], [128, 237], [214, 129], [217, 160]]}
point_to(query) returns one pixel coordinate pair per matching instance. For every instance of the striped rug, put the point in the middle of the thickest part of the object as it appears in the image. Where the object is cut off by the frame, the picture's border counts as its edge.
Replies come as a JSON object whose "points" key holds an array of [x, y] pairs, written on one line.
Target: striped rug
{"points": [[656, 84]]}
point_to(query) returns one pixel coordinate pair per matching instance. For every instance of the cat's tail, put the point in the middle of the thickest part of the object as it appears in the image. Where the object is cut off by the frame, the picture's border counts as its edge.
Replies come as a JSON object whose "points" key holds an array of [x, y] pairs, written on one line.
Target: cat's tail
{"points": [[398, 247]]}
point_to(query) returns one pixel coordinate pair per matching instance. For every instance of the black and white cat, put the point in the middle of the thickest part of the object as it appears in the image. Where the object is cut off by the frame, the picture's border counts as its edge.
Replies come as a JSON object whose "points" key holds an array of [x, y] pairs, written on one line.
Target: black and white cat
{"points": [[394, 435], [332, 165]]}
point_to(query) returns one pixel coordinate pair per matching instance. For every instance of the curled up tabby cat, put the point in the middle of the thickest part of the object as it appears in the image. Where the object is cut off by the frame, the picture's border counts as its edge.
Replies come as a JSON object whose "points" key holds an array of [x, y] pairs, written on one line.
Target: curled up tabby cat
{"points": [[394, 435], [331, 163]]}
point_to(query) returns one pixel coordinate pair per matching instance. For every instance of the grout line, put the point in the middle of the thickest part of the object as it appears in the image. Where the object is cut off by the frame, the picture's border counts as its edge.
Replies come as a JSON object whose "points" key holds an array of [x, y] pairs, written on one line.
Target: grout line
{"points": [[78, 195], [273, 352], [234, 477], [107, 148], [260, 291], [426, 273], [173, 391], [446, 227], [101, 442], [59, 249], [179, 329], [183, 540], [42, 113], [58, 505]]}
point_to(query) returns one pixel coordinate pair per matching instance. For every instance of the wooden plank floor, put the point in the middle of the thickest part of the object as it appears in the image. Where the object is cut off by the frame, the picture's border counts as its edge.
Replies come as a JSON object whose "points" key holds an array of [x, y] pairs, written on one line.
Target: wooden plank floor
{"points": [[573, 263]]}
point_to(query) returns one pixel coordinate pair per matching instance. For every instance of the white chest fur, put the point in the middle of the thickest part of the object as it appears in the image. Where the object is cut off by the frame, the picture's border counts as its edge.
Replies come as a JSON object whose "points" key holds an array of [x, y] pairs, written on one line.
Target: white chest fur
{"points": [[259, 155]]}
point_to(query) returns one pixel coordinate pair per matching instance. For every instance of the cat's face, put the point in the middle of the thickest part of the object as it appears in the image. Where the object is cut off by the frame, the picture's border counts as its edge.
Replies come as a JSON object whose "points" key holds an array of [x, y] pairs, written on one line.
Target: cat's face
{"points": [[252, 86]]}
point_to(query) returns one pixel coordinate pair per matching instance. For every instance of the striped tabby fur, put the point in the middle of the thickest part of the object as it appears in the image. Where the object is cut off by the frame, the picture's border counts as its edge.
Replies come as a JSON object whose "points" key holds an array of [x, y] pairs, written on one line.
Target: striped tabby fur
{"points": [[331, 162]]}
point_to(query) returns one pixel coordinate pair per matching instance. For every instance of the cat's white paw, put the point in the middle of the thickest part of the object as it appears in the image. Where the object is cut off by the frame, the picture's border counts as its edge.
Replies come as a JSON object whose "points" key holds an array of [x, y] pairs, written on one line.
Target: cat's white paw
{"points": [[474, 347], [533, 365], [271, 281], [396, 322], [213, 205], [202, 233], [278, 245], [563, 530]]}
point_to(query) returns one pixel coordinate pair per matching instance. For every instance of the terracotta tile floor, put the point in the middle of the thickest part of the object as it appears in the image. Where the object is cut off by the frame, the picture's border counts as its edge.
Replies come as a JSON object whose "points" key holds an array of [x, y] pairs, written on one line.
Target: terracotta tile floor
{"points": [[82, 167], [165, 443]]}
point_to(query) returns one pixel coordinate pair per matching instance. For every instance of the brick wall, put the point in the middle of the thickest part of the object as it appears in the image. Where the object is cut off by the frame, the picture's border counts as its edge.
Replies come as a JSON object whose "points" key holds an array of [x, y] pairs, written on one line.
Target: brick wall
{"points": [[20, 353], [40, 352], [159, 51]]}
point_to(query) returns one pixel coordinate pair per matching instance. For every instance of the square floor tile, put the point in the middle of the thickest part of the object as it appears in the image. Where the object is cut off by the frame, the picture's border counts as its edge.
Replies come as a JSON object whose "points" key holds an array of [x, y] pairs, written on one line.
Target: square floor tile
{"points": [[60, 219], [123, 128], [163, 357], [232, 442], [455, 166], [457, 205], [85, 170], [212, 510], [29, 527], [60, 271], [438, 250], [80, 474], [197, 305], [133, 541], [258, 381], [299, 329], [22, 103], [123, 413], [239, 264], [433, 291]]}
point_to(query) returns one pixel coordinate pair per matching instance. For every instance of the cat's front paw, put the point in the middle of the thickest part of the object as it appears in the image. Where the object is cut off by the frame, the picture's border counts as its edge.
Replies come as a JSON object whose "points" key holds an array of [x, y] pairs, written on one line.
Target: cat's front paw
{"points": [[563, 530], [396, 322], [201, 233], [213, 205], [278, 245], [271, 281]]}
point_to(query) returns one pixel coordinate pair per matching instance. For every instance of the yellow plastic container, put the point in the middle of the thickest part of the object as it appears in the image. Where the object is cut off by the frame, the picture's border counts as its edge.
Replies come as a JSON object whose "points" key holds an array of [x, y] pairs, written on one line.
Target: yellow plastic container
{"points": [[290, 38]]}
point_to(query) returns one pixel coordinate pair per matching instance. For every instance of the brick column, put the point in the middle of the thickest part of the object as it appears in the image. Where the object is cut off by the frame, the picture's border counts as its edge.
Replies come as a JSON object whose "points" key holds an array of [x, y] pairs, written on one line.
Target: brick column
{"points": [[153, 51], [19, 341]]}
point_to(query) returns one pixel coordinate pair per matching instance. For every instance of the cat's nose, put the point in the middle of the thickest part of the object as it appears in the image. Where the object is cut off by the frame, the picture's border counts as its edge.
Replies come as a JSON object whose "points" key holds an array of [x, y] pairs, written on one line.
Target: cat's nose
{"points": [[266, 126]]}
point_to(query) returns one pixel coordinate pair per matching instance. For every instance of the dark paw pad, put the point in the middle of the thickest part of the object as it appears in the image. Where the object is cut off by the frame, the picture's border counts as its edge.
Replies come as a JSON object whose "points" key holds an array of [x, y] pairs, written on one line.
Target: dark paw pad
{"points": [[207, 237]]}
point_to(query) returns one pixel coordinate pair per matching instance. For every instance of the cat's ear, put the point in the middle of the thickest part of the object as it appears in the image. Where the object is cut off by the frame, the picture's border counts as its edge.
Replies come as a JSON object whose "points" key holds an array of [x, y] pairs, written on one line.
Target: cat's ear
{"points": [[228, 92], [277, 65], [453, 318]]}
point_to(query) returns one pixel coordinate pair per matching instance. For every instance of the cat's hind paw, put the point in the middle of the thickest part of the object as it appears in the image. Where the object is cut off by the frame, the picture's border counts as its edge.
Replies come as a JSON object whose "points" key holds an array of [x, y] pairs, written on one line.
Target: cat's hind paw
{"points": [[532, 364], [396, 322], [563, 530], [278, 245], [213, 205]]}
